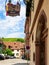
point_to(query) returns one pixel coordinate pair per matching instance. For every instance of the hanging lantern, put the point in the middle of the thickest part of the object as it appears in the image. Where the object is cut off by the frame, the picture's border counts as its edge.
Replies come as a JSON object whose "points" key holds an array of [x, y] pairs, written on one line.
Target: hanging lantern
{"points": [[12, 10]]}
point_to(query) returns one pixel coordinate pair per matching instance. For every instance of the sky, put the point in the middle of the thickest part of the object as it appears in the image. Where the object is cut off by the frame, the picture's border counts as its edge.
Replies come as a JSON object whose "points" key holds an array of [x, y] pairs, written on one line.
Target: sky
{"points": [[12, 27]]}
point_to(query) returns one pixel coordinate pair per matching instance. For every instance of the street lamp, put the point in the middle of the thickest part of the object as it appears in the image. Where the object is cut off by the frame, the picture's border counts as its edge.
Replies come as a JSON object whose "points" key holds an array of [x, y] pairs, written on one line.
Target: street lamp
{"points": [[26, 1], [31, 2]]}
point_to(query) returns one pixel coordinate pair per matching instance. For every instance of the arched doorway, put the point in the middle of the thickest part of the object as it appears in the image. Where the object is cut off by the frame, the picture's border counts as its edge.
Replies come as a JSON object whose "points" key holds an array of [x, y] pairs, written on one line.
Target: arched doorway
{"points": [[41, 38]]}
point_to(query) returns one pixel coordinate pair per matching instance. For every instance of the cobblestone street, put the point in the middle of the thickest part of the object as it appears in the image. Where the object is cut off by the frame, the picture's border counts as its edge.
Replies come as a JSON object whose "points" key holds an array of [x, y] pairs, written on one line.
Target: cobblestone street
{"points": [[13, 62]]}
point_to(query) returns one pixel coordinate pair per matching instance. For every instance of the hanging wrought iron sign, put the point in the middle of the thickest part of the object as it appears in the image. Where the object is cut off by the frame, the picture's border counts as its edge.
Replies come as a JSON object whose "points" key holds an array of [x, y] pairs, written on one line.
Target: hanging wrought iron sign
{"points": [[12, 10]]}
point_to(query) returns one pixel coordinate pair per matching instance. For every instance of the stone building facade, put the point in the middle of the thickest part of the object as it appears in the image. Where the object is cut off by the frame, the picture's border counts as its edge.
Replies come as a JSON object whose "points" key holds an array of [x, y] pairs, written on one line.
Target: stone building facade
{"points": [[27, 37], [39, 32]]}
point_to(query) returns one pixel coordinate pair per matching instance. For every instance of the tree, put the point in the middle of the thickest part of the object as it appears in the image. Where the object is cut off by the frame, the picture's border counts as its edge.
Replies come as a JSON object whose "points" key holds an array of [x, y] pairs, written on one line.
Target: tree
{"points": [[20, 40], [1, 45], [8, 51]]}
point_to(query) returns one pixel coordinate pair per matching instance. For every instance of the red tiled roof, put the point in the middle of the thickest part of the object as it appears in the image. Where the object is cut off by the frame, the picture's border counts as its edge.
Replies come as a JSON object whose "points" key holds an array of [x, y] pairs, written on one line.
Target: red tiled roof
{"points": [[14, 45]]}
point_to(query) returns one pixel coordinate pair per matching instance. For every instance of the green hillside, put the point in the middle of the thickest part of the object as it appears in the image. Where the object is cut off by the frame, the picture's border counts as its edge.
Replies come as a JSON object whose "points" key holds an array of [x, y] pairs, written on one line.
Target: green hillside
{"points": [[13, 39]]}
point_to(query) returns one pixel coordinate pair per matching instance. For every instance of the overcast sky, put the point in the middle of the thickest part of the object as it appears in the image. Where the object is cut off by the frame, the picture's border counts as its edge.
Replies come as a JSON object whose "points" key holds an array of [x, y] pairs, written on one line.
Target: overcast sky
{"points": [[12, 27]]}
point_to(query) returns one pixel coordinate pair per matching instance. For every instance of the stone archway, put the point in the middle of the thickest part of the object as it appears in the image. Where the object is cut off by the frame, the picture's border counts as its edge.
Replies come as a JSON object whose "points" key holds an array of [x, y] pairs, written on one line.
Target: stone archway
{"points": [[41, 35]]}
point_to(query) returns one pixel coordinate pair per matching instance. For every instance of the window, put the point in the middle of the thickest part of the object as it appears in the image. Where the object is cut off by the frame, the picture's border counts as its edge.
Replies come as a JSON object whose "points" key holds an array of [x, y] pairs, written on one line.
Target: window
{"points": [[9, 46], [17, 49], [15, 46], [32, 37], [14, 43], [33, 56], [12, 49]]}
